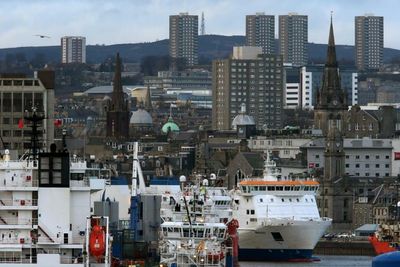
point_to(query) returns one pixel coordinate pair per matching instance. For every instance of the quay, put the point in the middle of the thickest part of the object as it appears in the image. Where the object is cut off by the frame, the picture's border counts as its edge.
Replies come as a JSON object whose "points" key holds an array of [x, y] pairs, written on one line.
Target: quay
{"points": [[344, 247]]}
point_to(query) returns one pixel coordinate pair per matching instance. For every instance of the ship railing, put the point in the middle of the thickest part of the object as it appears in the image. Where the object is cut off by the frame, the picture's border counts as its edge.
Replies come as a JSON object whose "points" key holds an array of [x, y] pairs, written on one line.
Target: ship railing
{"points": [[80, 183], [20, 183], [15, 240], [18, 202], [18, 221]]}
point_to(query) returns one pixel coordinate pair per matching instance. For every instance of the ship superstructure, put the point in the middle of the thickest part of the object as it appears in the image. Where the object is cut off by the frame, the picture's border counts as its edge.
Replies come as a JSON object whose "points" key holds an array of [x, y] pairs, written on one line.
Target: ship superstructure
{"points": [[278, 219], [195, 224]]}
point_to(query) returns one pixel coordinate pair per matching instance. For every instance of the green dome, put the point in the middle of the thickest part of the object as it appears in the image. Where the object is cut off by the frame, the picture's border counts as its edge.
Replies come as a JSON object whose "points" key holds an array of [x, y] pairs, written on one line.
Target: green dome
{"points": [[170, 126]]}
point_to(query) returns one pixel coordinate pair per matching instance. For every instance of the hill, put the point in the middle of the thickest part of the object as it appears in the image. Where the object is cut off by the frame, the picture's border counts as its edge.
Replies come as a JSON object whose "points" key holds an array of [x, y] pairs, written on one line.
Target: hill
{"points": [[210, 47]]}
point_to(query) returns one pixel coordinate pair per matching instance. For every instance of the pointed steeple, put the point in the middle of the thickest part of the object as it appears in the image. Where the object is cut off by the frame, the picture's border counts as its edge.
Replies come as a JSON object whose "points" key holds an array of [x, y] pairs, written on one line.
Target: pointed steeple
{"points": [[118, 101], [331, 53]]}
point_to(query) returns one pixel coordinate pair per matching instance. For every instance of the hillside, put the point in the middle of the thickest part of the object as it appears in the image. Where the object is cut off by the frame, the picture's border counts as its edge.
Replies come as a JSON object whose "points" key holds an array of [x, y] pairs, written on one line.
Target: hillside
{"points": [[210, 47]]}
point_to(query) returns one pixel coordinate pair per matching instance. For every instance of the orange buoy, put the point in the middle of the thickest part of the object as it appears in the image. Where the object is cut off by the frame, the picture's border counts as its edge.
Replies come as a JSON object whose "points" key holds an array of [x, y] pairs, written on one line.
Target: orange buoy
{"points": [[97, 243]]}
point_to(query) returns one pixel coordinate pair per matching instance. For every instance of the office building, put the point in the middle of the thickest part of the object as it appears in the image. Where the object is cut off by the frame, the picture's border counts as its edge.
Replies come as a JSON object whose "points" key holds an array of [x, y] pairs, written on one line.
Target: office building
{"points": [[73, 49], [368, 42], [183, 38], [251, 78], [293, 38], [19, 97], [260, 31], [311, 80]]}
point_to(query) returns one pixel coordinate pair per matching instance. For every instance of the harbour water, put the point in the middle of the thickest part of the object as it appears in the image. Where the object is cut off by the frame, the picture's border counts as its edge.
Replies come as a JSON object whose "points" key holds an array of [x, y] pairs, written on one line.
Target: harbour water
{"points": [[325, 261]]}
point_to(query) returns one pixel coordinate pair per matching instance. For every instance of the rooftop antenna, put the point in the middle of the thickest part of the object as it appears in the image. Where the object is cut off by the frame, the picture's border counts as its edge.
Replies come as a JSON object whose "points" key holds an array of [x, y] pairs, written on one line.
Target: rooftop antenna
{"points": [[203, 25]]}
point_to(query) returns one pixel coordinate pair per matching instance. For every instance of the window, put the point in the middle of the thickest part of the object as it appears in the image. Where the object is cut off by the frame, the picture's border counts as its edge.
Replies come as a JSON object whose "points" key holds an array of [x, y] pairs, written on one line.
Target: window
{"points": [[366, 156], [277, 236], [347, 165], [357, 157], [376, 165], [377, 157]]}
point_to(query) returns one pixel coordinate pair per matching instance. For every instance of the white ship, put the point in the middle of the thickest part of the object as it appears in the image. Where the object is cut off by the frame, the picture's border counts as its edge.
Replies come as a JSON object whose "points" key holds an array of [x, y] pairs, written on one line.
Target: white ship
{"points": [[278, 219], [44, 206], [194, 228]]}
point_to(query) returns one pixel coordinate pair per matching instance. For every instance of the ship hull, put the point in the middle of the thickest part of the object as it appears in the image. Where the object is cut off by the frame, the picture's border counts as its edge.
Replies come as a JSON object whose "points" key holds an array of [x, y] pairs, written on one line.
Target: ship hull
{"points": [[381, 247], [281, 240]]}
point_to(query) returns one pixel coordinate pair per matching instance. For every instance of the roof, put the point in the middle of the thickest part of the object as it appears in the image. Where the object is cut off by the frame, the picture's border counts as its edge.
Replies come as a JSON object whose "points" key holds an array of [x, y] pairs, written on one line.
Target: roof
{"points": [[367, 228], [170, 126], [262, 182], [106, 89], [141, 116], [254, 159], [242, 119]]}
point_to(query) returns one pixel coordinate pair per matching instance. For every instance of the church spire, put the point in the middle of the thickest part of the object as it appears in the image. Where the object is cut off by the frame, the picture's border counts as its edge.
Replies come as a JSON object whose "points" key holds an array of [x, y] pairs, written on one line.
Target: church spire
{"points": [[117, 94], [331, 53]]}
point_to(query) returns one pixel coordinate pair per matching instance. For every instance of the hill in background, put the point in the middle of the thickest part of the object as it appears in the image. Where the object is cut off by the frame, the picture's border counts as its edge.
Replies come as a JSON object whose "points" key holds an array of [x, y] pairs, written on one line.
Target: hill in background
{"points": [[210, 47]]}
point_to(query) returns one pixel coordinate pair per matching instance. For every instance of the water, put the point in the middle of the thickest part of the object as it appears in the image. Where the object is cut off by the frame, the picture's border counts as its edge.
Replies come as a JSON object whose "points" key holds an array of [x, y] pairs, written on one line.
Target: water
{"points": [[326, 261]]}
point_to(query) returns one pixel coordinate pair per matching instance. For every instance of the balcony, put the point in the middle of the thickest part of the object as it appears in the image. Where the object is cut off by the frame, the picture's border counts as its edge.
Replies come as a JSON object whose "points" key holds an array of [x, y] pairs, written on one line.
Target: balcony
{"points": [[26, 184], [18, 204], [17, 223]]}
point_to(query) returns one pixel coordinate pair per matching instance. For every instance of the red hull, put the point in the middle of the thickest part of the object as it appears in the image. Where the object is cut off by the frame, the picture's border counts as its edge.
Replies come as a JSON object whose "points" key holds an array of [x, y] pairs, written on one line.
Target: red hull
{"points": [[380, 247]]}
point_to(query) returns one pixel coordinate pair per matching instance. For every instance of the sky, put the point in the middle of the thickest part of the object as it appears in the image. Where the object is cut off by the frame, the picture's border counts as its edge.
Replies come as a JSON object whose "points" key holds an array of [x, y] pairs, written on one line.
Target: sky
{"points": [[134, 21]]}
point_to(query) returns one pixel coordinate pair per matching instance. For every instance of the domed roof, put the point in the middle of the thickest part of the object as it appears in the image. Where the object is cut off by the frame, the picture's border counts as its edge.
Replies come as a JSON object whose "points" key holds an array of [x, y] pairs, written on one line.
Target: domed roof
{"points": [[242, 118], [141, 116], [170, 126]]}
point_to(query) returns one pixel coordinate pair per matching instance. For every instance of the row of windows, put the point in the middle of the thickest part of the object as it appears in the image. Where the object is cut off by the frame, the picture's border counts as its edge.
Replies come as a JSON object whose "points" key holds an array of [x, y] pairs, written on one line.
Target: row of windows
{"points": [[368, 165]]}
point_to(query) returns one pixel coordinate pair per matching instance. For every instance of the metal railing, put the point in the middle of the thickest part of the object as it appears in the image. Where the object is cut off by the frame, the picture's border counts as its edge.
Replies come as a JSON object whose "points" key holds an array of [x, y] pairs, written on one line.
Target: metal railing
{"points": [[18, 221], [20, 183], [18, 202]]}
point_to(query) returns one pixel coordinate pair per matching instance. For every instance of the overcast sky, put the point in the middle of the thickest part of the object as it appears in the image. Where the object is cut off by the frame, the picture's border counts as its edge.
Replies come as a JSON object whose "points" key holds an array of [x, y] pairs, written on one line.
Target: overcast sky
{"points": [[131, 21]]}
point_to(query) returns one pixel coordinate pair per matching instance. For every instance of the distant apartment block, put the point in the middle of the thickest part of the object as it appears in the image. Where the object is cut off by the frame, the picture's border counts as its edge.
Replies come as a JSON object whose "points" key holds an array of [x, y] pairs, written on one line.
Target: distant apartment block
{"points": [[251, 78], [183, 37], [190, 79], [73, 49], [368, 42], [311, 81], [260, 31], [292, 95], [293, 38]]}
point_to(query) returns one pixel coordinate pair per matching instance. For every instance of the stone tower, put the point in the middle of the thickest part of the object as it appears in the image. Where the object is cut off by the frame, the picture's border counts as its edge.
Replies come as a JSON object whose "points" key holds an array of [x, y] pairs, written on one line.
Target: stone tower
{"points": [[334, 199], [331, 99], [118, 112]]}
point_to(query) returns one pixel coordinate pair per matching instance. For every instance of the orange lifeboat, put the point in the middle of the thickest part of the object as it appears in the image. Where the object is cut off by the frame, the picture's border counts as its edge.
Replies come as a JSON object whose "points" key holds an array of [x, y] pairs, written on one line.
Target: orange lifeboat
{"points": [[97, 242]]}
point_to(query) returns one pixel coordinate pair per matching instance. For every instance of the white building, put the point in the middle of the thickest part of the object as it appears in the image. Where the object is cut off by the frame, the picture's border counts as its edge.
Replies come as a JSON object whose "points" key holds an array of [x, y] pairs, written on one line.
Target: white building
{"points": [[73, 49]]}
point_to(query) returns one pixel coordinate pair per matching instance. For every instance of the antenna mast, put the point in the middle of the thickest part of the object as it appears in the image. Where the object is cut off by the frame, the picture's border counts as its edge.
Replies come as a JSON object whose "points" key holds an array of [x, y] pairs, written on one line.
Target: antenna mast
{"points": [[203, 25]]}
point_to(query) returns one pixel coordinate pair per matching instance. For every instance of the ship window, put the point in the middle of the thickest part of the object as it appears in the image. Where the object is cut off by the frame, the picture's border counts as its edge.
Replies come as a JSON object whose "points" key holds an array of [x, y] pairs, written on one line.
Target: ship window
{"points": [[287, 188], [263, 188], [279, 188], [261, 200], [252, 212], [297, 188], [277, 236], [306, 188], [306, 200], [312, 200], [247, 212], [272, 200], [271, 188], [297, 200], [290, 200], [283, 200]]}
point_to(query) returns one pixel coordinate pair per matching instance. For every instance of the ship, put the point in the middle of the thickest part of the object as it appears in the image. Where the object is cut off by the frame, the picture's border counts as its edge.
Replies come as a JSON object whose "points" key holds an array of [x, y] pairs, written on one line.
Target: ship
{"points": [[386, 238], [278, 218], [195, 224]]}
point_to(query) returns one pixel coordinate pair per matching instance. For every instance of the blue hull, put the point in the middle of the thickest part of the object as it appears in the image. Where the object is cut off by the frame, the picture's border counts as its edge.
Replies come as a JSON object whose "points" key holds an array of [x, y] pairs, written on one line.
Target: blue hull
{"points": [[274, 254]]}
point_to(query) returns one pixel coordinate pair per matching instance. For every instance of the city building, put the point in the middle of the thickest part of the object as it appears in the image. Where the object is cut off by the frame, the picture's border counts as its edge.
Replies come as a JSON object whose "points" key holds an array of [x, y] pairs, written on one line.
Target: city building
{"points": [[282, 147], [73, 49], [252, 78], [19, 97], [260, 31], [196, 79], [311, 80], [363, 157], [183, 38], [292, 98], [293, 38], [368, 41]]}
